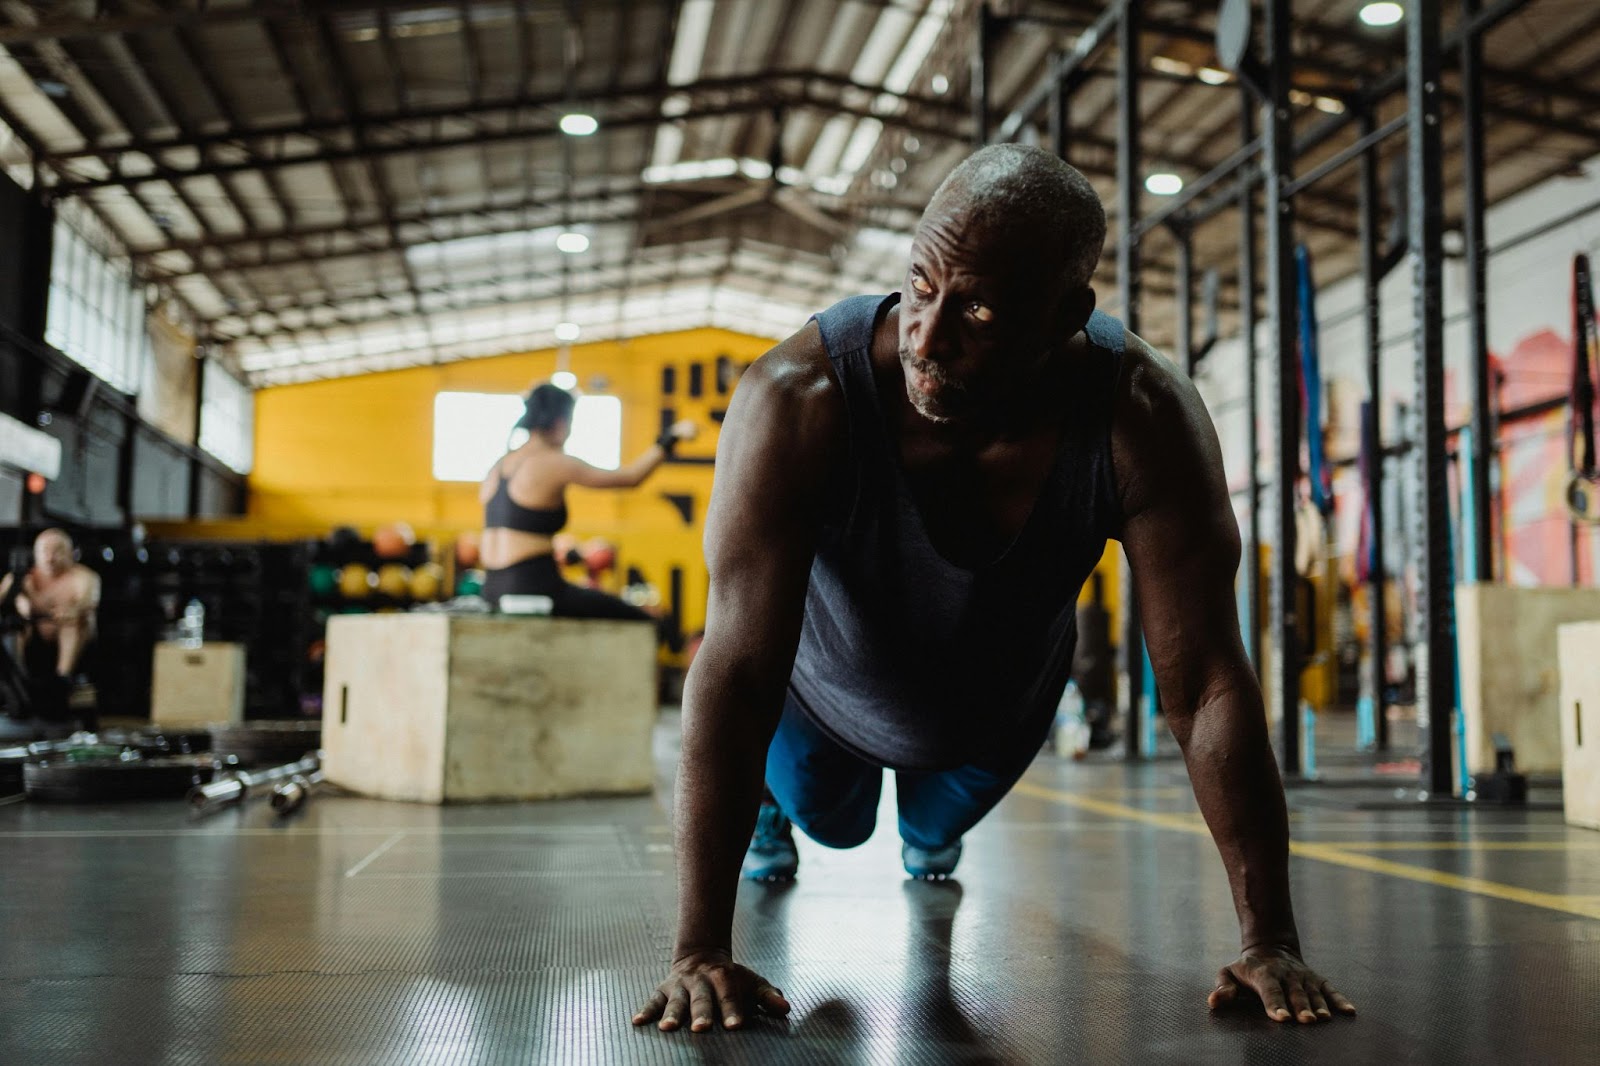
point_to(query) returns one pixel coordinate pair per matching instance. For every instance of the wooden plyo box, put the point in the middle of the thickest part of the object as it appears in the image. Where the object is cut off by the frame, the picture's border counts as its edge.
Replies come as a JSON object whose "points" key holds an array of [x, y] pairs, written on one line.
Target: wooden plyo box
{"points": [[1579, 644], [438, 708], [1510, 673], [197, 686]]}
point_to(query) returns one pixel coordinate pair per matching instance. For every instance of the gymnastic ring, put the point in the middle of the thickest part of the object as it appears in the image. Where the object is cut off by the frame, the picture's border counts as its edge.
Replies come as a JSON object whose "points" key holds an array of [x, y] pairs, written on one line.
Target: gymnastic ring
{"points": [[1583, 497]]}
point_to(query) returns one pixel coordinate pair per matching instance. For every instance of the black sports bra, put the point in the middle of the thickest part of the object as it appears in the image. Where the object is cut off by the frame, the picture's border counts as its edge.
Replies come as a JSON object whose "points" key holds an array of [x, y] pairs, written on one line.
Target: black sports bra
{"points": [[502, 512]]}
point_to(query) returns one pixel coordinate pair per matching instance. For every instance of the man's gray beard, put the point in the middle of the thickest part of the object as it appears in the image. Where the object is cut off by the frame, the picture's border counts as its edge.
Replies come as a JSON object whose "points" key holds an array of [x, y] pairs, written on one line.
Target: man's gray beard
{"points": [[920, 401]]}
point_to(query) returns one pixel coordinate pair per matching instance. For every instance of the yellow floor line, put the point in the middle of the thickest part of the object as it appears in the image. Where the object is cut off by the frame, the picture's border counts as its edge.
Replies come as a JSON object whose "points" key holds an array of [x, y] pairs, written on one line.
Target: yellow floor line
{"points": [[1466, 845], [1185, 823], [1580, 905], [1583, 906], [1163, 792]]}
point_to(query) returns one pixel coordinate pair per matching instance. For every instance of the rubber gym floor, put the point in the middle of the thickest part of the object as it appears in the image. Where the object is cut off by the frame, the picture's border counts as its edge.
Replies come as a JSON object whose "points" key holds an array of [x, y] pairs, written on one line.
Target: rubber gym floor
{"points": [[1086, 925]]}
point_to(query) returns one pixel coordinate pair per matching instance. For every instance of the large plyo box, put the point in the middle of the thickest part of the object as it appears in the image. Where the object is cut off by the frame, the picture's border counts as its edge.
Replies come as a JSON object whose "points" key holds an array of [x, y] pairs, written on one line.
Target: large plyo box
{"points": [[1510, 670], [1579, 644], [197, 686], [437, 708]]}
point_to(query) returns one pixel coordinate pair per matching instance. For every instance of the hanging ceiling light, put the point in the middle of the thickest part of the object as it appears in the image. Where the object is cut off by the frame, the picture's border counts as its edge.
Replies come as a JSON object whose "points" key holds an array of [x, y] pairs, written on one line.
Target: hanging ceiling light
{"points": [[577, 124], [564, 379], [1382, 13], [1163, 184], [572, 242]]}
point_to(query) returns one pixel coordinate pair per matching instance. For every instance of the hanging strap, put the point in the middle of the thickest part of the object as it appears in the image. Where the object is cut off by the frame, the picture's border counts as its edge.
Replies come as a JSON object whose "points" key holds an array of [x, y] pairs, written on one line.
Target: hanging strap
{"points": [[1366, 541], [1311, 384], [1585, 351]]}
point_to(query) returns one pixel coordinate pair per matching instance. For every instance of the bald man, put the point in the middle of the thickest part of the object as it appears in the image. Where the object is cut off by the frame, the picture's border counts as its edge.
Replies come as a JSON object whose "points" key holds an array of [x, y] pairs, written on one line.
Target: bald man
{"points": [[58, 598], [910, 493]]}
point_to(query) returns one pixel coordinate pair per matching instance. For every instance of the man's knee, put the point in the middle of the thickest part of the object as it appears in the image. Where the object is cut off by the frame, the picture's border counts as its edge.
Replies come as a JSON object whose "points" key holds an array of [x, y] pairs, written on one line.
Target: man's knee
{"points": [[937, 810], [836, 814], [842, 828]]}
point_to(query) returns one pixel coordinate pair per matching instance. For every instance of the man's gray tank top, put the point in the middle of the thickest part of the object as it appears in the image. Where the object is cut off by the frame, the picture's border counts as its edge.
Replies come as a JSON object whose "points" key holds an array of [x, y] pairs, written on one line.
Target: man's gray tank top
{"points": [[910, 661]]}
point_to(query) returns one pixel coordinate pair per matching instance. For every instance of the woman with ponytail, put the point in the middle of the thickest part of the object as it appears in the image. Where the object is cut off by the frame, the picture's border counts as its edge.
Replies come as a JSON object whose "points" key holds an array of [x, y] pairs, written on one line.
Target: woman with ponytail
{"points": [[524, 506]]}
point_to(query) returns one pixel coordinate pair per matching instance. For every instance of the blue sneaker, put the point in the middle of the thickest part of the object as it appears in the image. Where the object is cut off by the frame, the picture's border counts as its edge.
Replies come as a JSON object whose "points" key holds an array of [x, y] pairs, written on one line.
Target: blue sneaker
{"points": [[772, 856], [935, 865]]}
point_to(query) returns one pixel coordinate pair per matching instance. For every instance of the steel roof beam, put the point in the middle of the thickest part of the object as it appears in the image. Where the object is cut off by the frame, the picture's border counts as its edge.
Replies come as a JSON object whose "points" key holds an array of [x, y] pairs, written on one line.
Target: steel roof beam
{"points": [[365, 150], [645, 97], [333, 61], [201, 13]]}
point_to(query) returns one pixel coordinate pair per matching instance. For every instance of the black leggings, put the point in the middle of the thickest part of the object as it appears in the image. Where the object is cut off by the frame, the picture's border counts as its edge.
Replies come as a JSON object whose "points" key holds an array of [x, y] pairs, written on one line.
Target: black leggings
{"points": [[48, 689], [539, 576]]}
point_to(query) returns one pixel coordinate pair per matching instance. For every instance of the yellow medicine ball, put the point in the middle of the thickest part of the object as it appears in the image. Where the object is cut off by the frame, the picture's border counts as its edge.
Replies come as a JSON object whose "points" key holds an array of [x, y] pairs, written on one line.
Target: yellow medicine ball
{"points": [[394, 580], [426, 581], [355, 581]]}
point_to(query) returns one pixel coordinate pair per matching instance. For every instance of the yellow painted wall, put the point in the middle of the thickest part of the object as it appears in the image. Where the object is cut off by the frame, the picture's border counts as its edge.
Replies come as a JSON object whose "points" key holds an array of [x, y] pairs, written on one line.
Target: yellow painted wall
{"points": [[358, 451]]}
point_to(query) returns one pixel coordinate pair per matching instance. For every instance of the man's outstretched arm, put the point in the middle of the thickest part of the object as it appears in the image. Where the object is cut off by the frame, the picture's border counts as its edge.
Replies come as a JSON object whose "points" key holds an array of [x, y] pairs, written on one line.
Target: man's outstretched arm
{"points": [[778, 446], [1183, 546]]}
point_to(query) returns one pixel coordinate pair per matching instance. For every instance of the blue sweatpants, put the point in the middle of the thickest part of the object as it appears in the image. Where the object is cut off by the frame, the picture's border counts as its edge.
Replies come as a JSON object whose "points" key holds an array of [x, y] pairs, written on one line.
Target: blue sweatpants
{"points": [[832, 794]]}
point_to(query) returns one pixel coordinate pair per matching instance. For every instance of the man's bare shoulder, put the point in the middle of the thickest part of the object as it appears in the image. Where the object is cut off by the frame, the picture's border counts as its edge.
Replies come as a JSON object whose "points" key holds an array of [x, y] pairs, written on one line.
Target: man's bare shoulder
{"points": [[794, 385], [1151, 387], [1161, 432], [796, 368], [84, 578], [778, 450]]}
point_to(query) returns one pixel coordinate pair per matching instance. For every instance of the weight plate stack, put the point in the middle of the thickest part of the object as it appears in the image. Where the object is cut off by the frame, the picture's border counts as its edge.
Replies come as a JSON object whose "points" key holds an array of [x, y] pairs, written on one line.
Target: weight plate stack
{"points": [[266, 743], [102, 780], [13, 759], [158, 740]]}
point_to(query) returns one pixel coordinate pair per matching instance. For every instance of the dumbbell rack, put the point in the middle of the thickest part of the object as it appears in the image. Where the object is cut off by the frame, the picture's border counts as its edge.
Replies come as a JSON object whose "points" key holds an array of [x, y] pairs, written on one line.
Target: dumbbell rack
{"points": [[319, 607], [254, 594]]}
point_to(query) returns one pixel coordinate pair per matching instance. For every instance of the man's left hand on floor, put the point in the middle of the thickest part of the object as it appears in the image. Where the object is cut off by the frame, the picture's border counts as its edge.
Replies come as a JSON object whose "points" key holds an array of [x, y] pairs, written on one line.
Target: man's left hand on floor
{"points": [[1287, 988]]}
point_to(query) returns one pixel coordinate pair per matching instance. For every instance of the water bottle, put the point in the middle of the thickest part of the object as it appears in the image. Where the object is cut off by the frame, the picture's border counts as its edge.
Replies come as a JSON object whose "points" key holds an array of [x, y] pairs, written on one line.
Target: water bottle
{"points": [[1072, 729], [192, 627]]}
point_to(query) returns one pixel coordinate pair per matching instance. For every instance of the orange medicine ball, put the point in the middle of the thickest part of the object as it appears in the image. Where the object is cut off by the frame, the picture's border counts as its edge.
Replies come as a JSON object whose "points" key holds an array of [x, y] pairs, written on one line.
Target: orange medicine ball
{"points": [[393, 541], [467, 550]]}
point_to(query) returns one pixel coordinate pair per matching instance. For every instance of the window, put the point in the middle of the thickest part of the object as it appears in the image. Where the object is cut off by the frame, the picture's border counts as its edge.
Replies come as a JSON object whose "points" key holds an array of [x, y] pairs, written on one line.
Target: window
{"points": [[473, 429], [227, 418], [96, 310], [597, 431]]}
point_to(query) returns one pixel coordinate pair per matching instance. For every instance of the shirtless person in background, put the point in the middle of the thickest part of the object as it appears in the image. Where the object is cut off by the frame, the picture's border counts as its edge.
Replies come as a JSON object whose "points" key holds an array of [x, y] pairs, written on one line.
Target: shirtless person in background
{"points": [[58, 598]]}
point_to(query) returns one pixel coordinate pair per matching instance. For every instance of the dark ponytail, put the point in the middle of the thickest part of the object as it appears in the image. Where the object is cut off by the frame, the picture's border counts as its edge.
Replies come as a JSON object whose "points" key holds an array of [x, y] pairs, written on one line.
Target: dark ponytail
{"points": [[547, 405]]}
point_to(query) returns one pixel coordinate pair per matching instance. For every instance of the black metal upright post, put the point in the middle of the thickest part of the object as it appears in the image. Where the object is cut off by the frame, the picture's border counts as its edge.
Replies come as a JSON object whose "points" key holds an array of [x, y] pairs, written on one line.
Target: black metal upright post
{"points": [[1378, 647], [1128, 281], [1435, 646], [1185, 298], [195, 470], [1060, 112], [980, 76], [1284, 669], [1252, 387], [1472, 192]]}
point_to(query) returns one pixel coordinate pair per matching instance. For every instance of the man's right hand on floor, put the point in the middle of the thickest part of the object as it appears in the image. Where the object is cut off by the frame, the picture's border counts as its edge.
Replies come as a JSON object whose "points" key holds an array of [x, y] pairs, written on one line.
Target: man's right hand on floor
{"points": [[704, 985]]}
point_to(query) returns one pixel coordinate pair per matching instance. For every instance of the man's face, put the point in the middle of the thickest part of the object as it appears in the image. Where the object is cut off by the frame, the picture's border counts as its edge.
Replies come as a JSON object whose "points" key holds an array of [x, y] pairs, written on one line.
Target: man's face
{"points": [[974, 317], [51, 555]]}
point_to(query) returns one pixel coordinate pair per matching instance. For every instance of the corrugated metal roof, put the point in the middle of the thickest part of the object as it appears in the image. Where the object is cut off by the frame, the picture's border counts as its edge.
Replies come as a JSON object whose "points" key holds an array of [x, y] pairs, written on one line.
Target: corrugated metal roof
{"points": [[335, 186]]}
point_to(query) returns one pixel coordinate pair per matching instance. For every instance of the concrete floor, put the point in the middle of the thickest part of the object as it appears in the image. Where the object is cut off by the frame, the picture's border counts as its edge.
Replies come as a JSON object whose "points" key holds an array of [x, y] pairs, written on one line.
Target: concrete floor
{"points": [[1087, 924]]}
